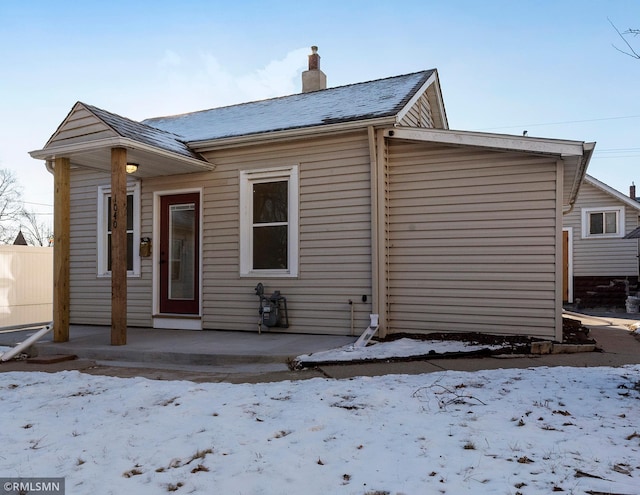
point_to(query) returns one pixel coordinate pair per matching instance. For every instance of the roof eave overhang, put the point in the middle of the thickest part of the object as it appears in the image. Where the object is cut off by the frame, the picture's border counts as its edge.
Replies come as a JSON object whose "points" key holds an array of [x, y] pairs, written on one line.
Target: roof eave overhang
{"points": [[288, 134], [581, 170], [51, 152], [573, 153], [505, 142]]}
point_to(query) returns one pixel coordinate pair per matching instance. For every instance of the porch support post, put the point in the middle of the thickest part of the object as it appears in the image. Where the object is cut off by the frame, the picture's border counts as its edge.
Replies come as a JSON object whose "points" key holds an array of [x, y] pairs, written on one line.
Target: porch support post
{"points": [[118, 246], [61, 246]]}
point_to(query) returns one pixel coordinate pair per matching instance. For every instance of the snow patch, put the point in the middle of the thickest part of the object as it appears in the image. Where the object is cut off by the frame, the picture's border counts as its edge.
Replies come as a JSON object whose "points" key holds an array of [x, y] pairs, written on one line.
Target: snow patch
{"points": [[539, 430], [401, 348]]}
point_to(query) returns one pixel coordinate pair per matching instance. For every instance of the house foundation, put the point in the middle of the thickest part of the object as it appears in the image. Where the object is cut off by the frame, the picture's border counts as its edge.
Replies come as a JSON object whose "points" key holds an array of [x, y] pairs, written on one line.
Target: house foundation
{"points": [[603, 292]]}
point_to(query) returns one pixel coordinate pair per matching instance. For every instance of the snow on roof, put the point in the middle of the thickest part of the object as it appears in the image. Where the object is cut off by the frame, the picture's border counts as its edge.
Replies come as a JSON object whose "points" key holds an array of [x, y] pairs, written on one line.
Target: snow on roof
{"points": [[143, 133], [368, 100]]}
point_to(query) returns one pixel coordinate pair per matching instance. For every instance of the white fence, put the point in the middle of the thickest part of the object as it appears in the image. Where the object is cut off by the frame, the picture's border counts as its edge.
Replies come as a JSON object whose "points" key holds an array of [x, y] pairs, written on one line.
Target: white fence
{"points": [[26, 285]]}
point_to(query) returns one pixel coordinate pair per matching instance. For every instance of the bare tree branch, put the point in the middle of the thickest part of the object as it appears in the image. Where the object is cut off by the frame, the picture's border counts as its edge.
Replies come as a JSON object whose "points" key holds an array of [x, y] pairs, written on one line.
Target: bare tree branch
{"points": [[634, 32], [35, 232], [10, 206]]}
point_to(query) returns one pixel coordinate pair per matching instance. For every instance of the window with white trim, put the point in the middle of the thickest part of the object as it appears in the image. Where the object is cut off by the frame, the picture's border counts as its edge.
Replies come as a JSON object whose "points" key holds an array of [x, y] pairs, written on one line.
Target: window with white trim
{"points": [[269, 222], [133, 230], [602, 222]]}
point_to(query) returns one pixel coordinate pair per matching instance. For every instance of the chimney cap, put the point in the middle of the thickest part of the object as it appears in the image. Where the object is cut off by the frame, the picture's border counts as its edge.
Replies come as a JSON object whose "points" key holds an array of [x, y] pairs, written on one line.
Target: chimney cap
{"points": [[314, 49]]}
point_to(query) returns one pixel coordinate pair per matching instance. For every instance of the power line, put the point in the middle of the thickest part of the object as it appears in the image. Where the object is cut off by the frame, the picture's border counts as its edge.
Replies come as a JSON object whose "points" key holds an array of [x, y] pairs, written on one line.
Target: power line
{"points": [[617, 150], [563, 122]]}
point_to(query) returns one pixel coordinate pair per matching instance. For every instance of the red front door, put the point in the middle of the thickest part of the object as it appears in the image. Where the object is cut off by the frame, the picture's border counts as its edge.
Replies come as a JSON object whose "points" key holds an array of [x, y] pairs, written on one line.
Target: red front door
{"points": [[180, 254]]}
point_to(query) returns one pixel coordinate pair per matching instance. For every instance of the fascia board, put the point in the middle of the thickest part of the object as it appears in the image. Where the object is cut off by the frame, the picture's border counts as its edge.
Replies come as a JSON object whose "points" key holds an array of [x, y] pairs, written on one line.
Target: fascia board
{"points": [[581, 171], [66, 150], [440, 100], [504, 142]]}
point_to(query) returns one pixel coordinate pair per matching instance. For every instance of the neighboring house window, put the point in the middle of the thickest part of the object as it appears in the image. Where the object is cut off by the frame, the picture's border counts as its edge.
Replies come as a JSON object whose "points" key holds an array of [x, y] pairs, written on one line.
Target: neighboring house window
{"points": [[602, 222], [104, 230], [269, 222]]}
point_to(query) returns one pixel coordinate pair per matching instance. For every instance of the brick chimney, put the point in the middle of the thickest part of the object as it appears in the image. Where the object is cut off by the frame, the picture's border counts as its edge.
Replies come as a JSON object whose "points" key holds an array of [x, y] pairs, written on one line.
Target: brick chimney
{"points": [[313, 79], [632, 190]]}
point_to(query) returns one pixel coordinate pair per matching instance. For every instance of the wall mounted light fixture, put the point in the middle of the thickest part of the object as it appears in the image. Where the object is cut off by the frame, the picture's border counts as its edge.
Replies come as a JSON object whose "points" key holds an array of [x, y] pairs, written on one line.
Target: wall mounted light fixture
{"points": [[131, 168]]}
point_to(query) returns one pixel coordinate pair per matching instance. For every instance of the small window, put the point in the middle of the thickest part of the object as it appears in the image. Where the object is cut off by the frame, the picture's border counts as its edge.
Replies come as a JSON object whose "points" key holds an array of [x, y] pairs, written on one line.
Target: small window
{"points": [[104, 230], [603, 222], [269, 222]]}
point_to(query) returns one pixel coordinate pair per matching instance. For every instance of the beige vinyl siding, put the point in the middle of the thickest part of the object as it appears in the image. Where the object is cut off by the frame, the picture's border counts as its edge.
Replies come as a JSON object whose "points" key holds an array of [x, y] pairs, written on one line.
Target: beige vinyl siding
{"points": [[419, 115], [334, 237], [472, 241], [80, 126], [90, 294], [602, 257]]}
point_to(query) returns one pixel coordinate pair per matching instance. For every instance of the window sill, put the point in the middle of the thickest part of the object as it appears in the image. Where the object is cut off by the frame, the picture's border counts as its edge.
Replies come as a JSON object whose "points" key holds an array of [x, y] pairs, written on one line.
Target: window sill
{"points": [[603, 236], [269, 274], [129, 275]]}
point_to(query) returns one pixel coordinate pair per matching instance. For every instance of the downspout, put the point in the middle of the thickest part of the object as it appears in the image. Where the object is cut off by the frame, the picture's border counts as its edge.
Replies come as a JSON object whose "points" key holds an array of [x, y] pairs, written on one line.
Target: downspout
{"points": [[27, 343]]}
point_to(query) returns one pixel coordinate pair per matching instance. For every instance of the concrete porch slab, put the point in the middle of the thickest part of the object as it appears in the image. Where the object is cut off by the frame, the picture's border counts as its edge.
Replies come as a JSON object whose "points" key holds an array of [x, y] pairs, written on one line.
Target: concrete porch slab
{"points": [[187, 347]]}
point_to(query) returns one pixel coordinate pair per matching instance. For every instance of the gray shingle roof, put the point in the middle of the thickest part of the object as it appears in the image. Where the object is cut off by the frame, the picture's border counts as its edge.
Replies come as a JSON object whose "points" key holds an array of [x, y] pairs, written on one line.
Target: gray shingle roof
{"points": [[143, 133], [368, 100]]}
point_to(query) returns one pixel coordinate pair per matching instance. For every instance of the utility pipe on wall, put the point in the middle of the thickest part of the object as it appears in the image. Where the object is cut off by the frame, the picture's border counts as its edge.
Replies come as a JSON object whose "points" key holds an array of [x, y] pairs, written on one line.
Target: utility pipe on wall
{"points": [[351, 305]]}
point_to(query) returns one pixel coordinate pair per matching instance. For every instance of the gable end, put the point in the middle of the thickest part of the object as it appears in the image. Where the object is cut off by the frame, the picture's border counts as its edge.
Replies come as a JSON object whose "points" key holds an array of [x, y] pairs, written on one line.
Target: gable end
{"points": [[78, 126]]}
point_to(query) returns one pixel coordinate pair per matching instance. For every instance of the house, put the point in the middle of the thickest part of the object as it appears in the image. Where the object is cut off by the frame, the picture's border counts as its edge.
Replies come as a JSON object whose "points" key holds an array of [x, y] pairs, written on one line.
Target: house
{"points": [[601, 265], [350, 201]]}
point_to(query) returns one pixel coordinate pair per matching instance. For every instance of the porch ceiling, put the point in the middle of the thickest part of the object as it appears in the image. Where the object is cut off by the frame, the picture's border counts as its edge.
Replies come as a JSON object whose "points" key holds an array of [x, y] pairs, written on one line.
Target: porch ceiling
{"points": [[152, 162]]}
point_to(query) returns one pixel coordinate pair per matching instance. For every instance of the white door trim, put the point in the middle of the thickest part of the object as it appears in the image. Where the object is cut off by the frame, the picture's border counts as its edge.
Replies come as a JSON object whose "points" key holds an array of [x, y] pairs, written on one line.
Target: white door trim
{"points": [[569, 261], [160, 320]]}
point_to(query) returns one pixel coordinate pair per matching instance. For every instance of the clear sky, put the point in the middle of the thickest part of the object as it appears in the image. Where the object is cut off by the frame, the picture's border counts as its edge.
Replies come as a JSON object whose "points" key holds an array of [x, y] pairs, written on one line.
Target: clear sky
{"points": [[545, 66]]}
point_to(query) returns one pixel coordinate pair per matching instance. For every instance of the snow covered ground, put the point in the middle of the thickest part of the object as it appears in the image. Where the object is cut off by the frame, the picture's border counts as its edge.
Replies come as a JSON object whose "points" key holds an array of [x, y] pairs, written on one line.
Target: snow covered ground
{"points": [[532, 431], [404, 347]]}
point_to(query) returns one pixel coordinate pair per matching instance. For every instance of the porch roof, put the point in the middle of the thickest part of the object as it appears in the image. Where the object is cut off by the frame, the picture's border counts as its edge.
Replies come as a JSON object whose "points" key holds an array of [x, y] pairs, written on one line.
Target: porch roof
{"points": [[88, 133]]}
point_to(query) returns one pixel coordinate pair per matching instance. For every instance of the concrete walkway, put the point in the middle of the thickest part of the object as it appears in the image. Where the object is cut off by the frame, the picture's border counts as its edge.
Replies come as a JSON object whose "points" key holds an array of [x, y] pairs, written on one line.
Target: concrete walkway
{"points": [[237, 357]]}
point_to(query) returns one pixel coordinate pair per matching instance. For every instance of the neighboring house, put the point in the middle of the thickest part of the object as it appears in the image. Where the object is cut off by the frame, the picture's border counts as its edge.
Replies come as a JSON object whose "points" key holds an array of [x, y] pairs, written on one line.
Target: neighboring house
{"points": [[350, 201], [601, 266]]}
